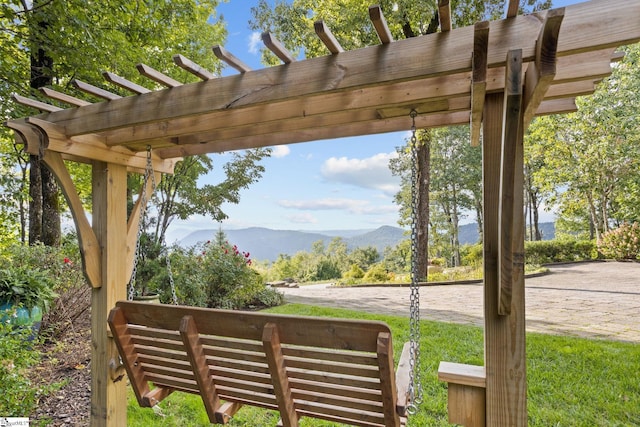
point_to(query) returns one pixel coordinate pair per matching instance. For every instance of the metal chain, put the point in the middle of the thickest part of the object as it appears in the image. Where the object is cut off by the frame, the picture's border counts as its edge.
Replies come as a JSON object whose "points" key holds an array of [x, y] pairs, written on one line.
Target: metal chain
{"points": [[415, 383], [143, 210]]}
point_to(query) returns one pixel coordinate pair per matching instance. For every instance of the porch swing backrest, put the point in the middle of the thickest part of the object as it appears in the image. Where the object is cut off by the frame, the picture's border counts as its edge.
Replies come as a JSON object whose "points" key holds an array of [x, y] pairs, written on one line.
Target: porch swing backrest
{"points": [[338, 370]]}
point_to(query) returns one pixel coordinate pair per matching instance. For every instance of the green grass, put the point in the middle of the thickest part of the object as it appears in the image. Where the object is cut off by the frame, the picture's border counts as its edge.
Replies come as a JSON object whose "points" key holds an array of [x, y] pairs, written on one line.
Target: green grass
{"points": [[571, 381]]}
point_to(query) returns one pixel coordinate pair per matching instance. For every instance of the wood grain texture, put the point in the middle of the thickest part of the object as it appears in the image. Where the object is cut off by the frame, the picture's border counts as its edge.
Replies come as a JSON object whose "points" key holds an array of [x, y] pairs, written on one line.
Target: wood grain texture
{"points": [[326, 36], [222, 54]]}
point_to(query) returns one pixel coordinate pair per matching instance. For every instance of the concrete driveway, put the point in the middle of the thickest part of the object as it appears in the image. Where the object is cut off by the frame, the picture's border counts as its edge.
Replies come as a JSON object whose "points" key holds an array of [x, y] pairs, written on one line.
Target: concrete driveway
{"points": [[591, 300]]}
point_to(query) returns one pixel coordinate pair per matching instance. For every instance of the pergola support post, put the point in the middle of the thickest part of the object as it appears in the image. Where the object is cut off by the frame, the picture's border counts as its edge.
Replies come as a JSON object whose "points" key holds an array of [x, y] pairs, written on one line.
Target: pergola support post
{"points": [[108, 395], [504, 339]]}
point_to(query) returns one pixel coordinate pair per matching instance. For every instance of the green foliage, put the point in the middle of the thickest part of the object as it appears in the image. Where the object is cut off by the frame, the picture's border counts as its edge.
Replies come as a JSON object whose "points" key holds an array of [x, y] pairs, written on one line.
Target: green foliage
{"points": [[472, 255], [559, 250], [26, 286], [377, 274], [216, 275], [355, 272], [621, 243], [19, 396]]}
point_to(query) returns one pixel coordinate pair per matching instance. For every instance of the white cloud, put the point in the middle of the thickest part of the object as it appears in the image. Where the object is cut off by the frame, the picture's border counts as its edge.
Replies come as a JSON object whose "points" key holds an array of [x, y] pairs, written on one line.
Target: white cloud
{"points": [[360, 207], [255, 40], [371, 173], [302, 218], [280, 151]]}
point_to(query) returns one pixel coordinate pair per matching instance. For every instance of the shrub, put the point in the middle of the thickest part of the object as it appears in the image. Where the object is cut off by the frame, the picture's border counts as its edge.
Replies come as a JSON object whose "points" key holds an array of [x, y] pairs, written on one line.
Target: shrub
{"points": [[559, 250], [621, 243], [376, 274], [355, 272]]}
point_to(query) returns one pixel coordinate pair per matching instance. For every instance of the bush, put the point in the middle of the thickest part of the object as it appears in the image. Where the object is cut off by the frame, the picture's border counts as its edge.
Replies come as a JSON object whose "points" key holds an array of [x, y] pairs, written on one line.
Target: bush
{"points": [[376, 274], [559, 250], [216, 275], [355, 272], [621, 243]]}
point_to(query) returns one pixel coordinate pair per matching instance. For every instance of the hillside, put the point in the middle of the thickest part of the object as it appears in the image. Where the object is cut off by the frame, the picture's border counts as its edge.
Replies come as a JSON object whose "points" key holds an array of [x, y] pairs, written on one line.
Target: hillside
{"points": [[266, 244]]}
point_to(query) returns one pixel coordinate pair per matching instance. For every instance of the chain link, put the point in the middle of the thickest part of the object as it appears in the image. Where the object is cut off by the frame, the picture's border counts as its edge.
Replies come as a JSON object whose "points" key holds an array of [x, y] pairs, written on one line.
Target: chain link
{"points": [[415, 383], [143, 210]]}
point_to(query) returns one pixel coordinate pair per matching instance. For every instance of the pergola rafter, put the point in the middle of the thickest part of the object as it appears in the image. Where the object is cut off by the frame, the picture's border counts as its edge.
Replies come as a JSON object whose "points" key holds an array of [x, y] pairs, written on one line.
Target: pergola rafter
{"points": [[495, 76]]}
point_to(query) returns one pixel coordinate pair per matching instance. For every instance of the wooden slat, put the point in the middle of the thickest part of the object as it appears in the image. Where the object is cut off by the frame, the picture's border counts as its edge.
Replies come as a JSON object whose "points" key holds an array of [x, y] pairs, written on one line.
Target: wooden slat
{"points": [[157, 76], [380, 24], [343, 369], [230, 343], [336, 390], [478, 78], [278, 49], [327, 37], [330, 400], [161, 343], [122, 339], [159, 361], [511, 128], [512, 8], [190, 66], [267, 401], [199, 363], [39, 105], [541, 73], [278, 369], [124, 83], [444, 15], [189, 386], [341, 357], [63, 97], [557, 106], [460, 373], [320, 377], [222, 54], [94, 90], [387, 379], [171, 372], [343, 415]]}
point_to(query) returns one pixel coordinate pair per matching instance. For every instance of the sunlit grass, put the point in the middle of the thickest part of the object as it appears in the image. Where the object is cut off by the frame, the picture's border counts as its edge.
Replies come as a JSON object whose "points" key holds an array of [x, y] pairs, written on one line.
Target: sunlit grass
{"points": [[571, 381]]}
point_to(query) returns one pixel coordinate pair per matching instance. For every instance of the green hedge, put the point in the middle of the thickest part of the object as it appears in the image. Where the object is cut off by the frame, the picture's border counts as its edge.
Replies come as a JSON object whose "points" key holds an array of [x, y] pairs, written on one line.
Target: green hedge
{"points": [[563, 250]]}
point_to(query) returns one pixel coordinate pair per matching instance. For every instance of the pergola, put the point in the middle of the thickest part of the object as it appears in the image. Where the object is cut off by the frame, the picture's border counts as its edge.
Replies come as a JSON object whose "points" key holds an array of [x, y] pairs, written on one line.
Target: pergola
{"points": [[495, 75]]}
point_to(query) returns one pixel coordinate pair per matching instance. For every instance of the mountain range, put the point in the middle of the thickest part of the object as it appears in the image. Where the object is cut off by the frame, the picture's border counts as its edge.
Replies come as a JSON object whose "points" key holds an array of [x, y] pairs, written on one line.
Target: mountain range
{"points": [[265, 244]]}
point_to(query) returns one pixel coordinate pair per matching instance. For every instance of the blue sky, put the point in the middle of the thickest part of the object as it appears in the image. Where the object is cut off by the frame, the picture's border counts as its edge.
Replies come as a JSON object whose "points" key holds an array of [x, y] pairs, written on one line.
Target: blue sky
{"points": [[323, 185]]}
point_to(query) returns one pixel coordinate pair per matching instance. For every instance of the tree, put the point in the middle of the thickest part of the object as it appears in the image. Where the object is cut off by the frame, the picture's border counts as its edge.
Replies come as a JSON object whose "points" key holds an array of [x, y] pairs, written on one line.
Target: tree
{"points": [[292, 22], [592, 156], [59, 41]]}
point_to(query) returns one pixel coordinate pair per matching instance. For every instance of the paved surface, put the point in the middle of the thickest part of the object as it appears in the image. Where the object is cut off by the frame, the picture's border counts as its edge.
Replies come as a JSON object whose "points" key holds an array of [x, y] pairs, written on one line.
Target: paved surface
{"points": [[592, 300]]}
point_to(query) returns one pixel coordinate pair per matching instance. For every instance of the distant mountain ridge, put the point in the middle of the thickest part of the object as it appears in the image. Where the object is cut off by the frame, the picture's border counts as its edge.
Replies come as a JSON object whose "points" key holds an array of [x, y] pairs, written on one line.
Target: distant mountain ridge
{"points": [[266, 244]]}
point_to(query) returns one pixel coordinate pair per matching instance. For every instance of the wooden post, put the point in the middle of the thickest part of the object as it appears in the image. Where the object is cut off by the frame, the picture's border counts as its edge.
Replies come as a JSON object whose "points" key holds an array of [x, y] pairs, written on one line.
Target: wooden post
{"points": [[108, 397], [505, 357]]}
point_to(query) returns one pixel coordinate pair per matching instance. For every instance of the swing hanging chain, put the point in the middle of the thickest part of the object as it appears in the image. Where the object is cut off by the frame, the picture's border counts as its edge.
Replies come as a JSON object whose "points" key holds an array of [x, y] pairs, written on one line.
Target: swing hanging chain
{"points": [[415, 383], [148, 172]]}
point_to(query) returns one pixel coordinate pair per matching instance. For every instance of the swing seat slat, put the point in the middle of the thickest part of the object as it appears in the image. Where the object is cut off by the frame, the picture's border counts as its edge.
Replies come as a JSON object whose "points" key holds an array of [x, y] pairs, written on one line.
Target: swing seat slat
{"points": [[338, 370]]}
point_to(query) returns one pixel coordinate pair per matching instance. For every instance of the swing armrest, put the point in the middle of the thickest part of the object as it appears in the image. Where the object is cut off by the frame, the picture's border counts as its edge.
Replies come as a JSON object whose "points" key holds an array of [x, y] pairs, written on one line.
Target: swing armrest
{"points": [[403, 376]]}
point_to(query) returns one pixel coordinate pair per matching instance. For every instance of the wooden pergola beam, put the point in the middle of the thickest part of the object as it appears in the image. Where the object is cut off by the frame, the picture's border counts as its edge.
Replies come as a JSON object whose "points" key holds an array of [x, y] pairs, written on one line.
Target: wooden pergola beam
{"points": [[124, 83], [355, 70], [380, 24], [38, 105], [157, 76], [444, 15], [278, 49], [512, 8], [478, 78], [326, 36], [542, 71], [222, 54], [190, 66], [94, 90], [63, 97]]}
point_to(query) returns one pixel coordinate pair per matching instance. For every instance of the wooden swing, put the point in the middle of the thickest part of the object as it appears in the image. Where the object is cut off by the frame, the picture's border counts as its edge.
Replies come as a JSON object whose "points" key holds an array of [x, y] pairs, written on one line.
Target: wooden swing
{"points": [[334, 369]]}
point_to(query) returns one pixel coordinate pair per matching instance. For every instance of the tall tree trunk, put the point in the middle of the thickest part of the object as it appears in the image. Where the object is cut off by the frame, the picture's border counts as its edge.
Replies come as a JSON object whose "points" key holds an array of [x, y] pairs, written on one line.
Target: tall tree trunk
{"points": [[422, 214], [35, 201], [455, 228], [44, 209]]}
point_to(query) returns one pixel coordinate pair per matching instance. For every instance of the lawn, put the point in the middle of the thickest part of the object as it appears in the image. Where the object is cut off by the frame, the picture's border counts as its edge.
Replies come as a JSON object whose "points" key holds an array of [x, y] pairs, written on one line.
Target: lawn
{"points": [[571, 381]]}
